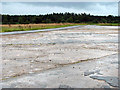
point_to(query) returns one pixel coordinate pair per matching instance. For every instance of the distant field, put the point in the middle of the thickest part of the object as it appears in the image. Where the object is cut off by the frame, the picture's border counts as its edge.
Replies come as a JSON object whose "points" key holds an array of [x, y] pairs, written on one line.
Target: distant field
{"points": [[26, 27], [108, 24]]}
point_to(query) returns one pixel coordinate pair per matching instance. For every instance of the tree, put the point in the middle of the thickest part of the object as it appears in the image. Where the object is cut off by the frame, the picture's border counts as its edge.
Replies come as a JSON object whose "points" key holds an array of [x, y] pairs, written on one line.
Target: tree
{"points": [[70, 19], [59, 18]]}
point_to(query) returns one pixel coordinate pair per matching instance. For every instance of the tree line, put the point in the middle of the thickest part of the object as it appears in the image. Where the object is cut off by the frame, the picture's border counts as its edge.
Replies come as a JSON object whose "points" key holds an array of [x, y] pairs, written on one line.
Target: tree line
{"points": [[59, 18]]}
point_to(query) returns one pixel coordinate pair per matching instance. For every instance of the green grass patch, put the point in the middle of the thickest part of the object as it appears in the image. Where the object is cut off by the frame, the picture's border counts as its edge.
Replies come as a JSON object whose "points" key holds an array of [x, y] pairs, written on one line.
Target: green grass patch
{"points": [[47, 26], [23, 28], [108, 24]]}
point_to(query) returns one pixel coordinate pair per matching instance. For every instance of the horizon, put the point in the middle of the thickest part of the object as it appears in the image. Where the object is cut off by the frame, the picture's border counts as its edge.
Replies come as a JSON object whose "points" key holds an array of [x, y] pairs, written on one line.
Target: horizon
{"points": [[43, 8], [59, 13]]}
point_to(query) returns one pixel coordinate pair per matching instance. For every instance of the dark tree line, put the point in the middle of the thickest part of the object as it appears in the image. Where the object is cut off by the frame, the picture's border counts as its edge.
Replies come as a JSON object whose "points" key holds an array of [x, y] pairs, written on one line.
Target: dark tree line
{"points": [[59, 18]]}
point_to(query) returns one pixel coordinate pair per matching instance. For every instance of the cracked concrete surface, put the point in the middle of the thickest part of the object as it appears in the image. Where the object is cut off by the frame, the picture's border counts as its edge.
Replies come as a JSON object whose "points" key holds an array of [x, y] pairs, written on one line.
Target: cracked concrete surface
{"points": [[83, 57]]}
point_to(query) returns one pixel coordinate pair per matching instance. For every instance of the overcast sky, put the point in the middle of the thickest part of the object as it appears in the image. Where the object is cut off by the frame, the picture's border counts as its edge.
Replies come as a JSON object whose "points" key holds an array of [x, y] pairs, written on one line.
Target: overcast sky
{"points": [[36, 8]]}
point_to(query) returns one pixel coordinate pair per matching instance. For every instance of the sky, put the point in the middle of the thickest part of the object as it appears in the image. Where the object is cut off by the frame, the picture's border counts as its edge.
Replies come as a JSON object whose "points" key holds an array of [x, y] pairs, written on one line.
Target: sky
{"points": [[36, 8]]}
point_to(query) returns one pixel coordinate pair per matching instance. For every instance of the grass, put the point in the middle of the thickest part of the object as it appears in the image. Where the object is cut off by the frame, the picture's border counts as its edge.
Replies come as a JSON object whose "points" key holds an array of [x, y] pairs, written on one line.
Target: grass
{"points": [[108, 24], [26, 27]]}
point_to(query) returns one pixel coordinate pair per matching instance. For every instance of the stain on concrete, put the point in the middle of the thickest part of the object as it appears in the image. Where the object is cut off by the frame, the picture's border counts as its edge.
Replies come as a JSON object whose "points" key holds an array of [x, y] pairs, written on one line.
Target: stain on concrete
{"points": [[115, 62], [112, 81], [87, 73]]}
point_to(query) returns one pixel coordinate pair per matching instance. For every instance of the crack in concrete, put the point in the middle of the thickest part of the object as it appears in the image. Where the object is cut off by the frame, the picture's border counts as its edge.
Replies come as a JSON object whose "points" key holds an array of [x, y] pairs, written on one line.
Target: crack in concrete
{"points": [[58, 66]]}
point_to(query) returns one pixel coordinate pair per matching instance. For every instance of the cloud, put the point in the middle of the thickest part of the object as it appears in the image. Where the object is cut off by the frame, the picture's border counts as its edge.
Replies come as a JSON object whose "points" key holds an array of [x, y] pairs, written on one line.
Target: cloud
{"points": [[33, 8]]}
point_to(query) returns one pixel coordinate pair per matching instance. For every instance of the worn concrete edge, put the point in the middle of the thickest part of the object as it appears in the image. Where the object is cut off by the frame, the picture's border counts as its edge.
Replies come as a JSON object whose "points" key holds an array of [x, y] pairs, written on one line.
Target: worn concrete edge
{"points": [[42, 30]]}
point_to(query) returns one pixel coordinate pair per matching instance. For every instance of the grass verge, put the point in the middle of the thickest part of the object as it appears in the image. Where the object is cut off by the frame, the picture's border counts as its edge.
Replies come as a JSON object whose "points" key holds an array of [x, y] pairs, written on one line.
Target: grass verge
{"points": [[27, 27]]}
